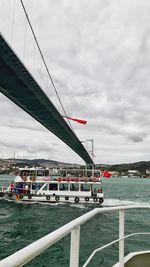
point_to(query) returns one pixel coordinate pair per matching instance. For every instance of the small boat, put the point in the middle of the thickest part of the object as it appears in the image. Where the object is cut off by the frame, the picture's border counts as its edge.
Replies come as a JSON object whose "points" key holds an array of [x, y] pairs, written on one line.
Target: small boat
{"points": [[65, 186]]}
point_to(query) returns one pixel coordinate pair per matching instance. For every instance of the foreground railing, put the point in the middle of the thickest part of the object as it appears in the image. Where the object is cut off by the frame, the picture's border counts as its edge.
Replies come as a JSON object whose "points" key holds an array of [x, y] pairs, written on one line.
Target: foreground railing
{"points": [[26, 254]]}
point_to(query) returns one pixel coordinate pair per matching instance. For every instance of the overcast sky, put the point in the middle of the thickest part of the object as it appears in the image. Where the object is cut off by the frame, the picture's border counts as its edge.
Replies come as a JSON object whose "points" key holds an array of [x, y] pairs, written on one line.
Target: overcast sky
{"points": [[98, 53]]}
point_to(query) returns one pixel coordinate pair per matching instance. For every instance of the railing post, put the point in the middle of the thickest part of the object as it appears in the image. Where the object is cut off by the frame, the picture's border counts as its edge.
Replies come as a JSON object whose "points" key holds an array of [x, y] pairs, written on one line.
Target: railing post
{"points": [[74, 247], [121, 236]]}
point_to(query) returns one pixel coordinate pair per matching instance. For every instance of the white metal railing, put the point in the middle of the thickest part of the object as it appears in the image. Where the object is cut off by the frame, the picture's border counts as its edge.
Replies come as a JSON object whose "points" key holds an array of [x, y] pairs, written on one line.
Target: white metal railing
{"points": [[109, 244], [26, 254]]}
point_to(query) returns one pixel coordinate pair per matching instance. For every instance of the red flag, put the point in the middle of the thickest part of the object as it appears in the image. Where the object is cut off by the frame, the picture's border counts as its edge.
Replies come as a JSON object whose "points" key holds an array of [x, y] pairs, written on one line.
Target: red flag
{"points": [[77, 120], [106, 174]]}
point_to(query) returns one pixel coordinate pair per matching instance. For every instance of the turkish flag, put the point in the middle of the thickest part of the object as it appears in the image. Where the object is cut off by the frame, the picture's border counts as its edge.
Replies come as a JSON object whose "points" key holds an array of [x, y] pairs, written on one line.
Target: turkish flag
{"points": [[77, 120], [106, 174]]}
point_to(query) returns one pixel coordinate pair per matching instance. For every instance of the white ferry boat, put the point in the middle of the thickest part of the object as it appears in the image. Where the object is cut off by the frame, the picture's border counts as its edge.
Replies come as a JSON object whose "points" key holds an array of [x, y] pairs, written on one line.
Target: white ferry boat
{"points": [[66, 186]]}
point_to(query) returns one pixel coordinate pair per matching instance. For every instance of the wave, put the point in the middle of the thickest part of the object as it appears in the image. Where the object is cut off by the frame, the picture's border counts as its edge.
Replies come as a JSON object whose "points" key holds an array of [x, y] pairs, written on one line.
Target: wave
{"points": [[80, 206], [110, 202]]}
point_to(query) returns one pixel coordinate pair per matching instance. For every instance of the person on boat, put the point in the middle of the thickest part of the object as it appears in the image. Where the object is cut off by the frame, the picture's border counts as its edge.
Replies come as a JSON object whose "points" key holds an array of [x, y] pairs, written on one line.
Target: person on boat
{"points": [[94, 192], [18, 183], [11, 186], [28, 178], [27, 189], [17, 177]]}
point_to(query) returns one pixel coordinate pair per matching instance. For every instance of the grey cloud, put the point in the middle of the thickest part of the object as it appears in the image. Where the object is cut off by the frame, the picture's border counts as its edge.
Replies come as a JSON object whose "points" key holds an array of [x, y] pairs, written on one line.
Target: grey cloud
{"points": [[98, 55], [36, 145], [136, 139]]}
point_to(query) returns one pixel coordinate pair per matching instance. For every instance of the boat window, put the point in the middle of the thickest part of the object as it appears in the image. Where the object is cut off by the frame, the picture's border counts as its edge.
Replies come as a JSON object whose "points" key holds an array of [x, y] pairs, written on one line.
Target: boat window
{"points": [[39, 185], [61, 173], [88, 173], [63, 187], [53, 186], [46, 173], [24, 173], [33, 173], [34, 186], [79, 173], [74, 187], [40, 173], [85, 187], [95, 187], [45, 187], [43, 173]]}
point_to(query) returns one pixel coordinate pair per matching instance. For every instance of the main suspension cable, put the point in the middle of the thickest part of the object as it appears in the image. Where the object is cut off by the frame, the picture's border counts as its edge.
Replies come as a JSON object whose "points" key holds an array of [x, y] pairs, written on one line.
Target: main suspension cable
{"points": [[44, 61], [13, 21]]}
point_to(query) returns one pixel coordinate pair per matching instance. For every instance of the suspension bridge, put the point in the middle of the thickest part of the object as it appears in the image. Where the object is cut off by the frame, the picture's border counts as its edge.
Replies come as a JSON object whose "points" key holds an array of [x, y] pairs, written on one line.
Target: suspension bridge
{"points": [[22, 85]]}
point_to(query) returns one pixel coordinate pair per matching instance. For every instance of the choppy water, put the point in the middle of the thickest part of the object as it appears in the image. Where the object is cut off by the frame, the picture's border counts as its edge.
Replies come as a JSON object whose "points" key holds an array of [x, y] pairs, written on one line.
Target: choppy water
{"points": [[21, 224]]}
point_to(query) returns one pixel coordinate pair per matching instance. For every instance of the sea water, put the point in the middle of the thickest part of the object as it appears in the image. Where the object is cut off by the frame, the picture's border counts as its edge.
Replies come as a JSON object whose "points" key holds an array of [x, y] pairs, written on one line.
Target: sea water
{"points": [[23, 223]]}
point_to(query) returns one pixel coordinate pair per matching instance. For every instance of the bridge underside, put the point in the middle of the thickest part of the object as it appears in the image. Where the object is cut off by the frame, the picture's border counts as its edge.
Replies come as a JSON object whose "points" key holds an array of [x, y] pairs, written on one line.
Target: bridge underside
{"points": [[19, 86]]}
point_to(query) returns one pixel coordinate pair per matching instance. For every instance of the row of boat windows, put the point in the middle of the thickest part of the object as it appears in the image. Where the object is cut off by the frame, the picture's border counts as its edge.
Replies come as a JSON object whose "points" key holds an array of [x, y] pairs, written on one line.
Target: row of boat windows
{"points": [[63, 173], [71, 187], [66, 187], [60, 186]]}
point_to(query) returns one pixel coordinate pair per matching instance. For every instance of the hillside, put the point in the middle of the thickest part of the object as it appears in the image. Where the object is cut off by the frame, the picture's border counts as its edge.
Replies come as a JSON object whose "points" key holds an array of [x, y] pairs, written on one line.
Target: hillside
{"points": [[141, 166]]}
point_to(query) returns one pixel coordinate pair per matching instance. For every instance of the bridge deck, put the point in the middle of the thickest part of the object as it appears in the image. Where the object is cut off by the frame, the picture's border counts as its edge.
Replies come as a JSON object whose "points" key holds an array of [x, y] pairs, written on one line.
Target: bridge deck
{"points": [[19, 86]]}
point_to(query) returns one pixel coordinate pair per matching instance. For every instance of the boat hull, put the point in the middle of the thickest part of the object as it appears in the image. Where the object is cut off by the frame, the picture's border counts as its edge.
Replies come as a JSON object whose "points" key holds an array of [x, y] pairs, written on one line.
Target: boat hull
{"points": [[55, 198]]}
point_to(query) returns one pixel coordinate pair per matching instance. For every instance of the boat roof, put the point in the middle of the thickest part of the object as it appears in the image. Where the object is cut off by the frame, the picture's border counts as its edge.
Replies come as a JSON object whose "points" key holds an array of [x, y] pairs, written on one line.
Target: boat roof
{"points": [[66, 182], [33, 169], [55, 169]]}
